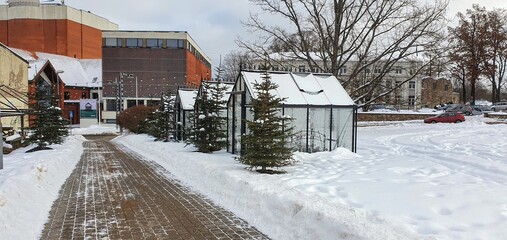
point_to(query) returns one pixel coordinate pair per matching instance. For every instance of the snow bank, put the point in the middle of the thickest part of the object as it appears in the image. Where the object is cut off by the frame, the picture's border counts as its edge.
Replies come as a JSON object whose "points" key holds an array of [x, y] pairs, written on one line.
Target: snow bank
{"points": [[29, 184], [265, 201]]}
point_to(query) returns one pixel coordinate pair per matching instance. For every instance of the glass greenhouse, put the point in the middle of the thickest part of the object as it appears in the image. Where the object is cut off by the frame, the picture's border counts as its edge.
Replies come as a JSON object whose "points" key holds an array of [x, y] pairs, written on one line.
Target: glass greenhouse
{"points": [[324, 116], [184, 105]]}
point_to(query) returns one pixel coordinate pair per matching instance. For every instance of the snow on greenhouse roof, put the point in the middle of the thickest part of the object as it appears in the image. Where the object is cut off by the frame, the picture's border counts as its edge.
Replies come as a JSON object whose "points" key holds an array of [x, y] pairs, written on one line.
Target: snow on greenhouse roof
{"points": [[303, 88], [187, 98], [228, 85]]}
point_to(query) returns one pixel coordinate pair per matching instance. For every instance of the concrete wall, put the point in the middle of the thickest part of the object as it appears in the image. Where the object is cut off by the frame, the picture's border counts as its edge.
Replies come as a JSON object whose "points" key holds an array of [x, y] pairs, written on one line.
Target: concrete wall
{"points": [[367, 117]]}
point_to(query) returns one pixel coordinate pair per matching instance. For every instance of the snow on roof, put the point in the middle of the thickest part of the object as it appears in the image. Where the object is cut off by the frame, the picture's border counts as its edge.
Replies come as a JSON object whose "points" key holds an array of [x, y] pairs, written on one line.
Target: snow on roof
{"points": [[303, 88], [76, 72], [35, 67], [229, 86], [73, 73], [187, 98], [93, 69]]}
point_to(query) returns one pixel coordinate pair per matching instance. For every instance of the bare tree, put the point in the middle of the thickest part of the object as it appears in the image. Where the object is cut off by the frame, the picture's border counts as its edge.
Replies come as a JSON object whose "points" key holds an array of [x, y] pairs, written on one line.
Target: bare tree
{"points": [[470, 42], [233, 63], [373, 34], [496, 38]]}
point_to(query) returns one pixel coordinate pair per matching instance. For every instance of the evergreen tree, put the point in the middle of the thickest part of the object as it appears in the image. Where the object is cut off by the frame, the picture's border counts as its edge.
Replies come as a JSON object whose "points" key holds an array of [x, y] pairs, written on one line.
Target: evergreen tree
{"points": [[47, 126], [209, 133], [265, 145], [161, 122]]}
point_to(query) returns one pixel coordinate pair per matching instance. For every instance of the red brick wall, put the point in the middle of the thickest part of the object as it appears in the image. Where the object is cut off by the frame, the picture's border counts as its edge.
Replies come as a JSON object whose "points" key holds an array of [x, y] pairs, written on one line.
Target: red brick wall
{"points": [[62, 37], [75, 93], [196, 70]]}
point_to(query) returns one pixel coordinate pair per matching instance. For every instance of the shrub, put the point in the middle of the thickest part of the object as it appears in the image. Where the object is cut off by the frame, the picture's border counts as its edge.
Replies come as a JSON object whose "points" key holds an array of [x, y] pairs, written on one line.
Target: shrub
{"points": [[133, 118]]}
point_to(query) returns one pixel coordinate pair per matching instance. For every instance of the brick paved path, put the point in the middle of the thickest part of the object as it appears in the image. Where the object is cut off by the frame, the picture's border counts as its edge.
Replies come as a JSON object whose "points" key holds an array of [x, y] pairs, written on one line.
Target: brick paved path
{"points": [[114, 195]]}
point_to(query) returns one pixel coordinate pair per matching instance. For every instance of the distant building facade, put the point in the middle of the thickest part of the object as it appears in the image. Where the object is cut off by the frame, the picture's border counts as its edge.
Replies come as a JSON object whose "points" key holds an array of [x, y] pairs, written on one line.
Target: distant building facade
{"points": [[52, 28], [147, 64], [406, 96], [437, 91]]}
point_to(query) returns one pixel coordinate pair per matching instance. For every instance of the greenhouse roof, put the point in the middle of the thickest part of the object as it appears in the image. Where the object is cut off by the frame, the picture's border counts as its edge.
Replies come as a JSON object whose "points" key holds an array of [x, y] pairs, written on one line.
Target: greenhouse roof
{"points": [[303, 88], [187, 98]]}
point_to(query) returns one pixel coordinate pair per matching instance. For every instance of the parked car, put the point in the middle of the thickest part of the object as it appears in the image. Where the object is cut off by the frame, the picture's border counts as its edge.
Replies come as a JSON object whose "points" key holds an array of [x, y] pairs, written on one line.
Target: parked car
{"points": [[382, 108], [483, 108], [477, 111], [460, 108], [499, 106], [447, 117]]}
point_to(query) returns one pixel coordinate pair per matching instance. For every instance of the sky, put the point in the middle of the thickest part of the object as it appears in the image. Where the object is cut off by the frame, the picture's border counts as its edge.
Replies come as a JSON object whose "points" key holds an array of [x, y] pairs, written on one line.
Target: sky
{"points": [[214, 25]]}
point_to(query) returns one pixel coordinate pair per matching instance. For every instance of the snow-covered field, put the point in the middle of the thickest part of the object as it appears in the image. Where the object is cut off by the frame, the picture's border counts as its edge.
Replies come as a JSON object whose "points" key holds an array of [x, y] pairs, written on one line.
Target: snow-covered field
{"points": [[409, 180]]}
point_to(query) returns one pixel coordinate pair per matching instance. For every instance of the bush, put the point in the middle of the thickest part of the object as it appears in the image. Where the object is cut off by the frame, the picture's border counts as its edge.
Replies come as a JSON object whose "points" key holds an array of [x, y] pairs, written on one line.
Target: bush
{"points": [[133, 118]]}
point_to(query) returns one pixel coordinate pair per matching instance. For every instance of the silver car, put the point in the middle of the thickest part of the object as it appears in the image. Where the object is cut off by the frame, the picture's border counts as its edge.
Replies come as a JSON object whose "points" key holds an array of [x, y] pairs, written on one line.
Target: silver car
{"points": [[499, 106]]}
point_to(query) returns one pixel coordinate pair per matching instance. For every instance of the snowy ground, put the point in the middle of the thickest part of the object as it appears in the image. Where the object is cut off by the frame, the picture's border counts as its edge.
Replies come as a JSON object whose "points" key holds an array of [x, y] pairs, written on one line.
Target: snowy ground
{"points": [[409, 180]]}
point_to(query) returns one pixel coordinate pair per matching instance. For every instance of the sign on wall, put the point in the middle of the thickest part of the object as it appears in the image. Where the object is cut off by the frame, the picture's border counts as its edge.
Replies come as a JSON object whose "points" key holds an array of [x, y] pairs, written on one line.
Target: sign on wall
{"points": [[88, 108]]}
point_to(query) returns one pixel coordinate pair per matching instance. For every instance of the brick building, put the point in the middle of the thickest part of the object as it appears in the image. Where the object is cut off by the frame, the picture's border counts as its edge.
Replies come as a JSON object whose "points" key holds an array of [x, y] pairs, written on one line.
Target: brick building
{"points": [[437, 91], [149, 63], [52, 28]]}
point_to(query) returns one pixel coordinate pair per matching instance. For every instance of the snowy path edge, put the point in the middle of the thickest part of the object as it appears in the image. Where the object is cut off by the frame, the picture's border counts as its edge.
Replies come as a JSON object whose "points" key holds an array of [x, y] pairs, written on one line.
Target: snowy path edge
{"points": [[278, 210]]}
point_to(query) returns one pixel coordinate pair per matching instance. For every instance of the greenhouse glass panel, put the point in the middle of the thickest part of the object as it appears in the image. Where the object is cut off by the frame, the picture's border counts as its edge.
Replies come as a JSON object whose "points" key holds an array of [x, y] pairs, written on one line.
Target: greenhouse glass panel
{"points": [[237, 123], [298, 115], [343, 121], [318, 129]]}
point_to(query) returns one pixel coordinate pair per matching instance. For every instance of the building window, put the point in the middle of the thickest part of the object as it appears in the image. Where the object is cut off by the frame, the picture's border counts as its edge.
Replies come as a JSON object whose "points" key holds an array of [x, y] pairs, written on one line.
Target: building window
{"points": [[66, 95], [411, 100], [95, 96], [112, 42], [131, 103], [446, 87], [389, 84], [111, 105], [302, 68], [411, 85], [152, 103], [177, 43], [154, 43], [367, 70], [134, 42], [83, 95], [343, 70], [398, 83], [289, 68], [398, 70], [275, 68]]}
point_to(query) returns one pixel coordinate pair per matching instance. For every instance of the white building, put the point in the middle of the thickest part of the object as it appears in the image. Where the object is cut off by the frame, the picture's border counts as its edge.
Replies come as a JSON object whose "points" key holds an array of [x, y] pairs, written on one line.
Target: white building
{"points": [[408, 95]]}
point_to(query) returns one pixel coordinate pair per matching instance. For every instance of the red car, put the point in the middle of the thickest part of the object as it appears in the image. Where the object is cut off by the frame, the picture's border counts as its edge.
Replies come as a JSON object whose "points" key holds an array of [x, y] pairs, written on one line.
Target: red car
{"points": [[447, 117]]}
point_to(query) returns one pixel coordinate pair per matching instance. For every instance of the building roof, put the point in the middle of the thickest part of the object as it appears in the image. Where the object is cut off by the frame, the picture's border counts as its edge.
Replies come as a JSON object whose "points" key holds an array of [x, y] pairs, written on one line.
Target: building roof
{"points": [[187, 98], [303, 88], [73, 72], [228, 85], [13, 52]]}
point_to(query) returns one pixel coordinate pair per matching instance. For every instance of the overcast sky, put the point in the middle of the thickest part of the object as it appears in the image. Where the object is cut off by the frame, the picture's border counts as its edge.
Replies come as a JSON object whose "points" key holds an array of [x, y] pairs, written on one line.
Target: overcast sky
{"points": [[213, 24]]}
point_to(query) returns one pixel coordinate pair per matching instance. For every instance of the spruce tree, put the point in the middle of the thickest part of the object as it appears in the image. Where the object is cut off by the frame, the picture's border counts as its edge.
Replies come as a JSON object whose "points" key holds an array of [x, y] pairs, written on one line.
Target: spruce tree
{"points": [[266, 144], [161, 122], [209, 133], [47, 126]]}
